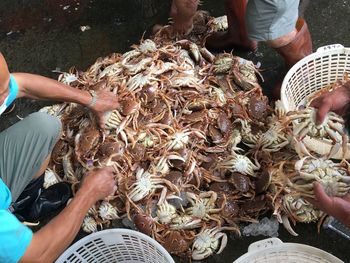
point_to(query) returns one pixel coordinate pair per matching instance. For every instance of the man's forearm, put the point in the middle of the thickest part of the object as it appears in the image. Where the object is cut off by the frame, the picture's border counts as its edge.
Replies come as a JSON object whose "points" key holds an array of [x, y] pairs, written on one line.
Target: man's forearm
{"points": [[39, 87], [50, 241]]}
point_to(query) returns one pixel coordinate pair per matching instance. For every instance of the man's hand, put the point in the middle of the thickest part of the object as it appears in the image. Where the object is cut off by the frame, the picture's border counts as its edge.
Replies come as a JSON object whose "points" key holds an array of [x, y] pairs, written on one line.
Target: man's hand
{"points": [[337, 207], [336, 100], [182, 13], [106, 101], [97, 185], [100, 183]]}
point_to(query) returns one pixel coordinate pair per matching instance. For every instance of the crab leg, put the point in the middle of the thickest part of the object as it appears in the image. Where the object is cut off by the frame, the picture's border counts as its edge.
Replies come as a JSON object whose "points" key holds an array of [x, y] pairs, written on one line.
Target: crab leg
{"points": [[287, 225]]}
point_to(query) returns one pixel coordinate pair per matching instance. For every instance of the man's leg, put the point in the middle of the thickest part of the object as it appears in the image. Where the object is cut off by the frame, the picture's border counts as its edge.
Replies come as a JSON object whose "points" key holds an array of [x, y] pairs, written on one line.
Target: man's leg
{"points": [[43, 167], [277, 23], [25, 148], [236, 35]]}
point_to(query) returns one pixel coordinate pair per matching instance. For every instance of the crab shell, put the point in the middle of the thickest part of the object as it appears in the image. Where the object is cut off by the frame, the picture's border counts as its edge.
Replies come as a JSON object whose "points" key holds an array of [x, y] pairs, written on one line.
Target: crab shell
{"points": [[166, 212], [51, 178], [239, 163], [208, 242], [89, 225], [107, 211], [332, 176]]}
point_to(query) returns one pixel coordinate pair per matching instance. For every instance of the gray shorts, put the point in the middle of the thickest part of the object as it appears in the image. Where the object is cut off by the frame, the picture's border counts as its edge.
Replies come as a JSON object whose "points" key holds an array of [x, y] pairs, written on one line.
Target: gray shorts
{"points": [[271, 19], [24, 147]]}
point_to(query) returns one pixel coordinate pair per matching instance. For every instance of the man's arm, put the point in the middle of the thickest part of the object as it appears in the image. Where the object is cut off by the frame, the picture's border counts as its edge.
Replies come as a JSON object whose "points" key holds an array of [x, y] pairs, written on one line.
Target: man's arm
{"points": [[39, 87], [50, 241]]}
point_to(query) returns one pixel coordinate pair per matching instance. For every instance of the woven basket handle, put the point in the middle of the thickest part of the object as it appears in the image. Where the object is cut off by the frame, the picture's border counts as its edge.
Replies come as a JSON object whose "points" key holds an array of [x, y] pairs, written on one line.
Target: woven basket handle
{"points": [[266, 243], [330, 47]]}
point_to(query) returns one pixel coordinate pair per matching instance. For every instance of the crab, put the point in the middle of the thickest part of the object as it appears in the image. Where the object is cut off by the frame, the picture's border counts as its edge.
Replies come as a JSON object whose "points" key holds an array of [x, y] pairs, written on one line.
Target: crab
{"points": [[69, 173], [178, 242], [146, 184], [179, 139], [89, 224], [107, 211], [54, 110], [331, 129], [130, 55], [185, 221], [162, 163], [147, 139], [114, 120], [146, 224], [86, 144], [113, 70], [140, 80], [207, 242], [68, 77], [332, 176], [244, 73], [185, 80], [279, 110], [248, 136], [239, 163], [166, 212], [298, 209], [147, 46], [51, 178], [143, 64], [274, 139], [192, 48], [233, 140], [203, 205], [218, 23], [222, 63], [218, 95]]}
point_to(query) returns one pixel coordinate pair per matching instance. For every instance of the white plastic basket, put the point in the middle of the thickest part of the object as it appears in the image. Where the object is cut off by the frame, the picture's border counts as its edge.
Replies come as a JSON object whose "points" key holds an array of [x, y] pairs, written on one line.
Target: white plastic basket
{"points": [[116, 245], [312, 73], [273, 250]]}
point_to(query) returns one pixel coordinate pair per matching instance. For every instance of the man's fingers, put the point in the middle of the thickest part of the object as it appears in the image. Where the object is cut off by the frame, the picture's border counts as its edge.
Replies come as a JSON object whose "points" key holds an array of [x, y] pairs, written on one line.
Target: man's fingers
{"points": [[109, 169], [324, 202], [101, 124], [316, 102], [322, 112], [346, 197]]}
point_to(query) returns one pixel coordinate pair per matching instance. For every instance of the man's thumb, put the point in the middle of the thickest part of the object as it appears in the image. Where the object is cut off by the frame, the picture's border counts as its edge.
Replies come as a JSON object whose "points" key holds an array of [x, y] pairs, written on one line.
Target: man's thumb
{"points": [[324, 201], [322, 112]]}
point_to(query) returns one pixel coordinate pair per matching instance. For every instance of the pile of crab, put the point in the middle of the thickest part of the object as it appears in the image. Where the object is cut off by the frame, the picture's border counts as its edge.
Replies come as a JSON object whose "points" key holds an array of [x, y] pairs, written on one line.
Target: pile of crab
{"points": [[196, 146]]}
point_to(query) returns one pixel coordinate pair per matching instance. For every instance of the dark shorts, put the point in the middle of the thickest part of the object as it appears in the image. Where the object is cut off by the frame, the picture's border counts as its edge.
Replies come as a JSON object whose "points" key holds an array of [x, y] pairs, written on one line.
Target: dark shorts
{"points": [[24, 147]]}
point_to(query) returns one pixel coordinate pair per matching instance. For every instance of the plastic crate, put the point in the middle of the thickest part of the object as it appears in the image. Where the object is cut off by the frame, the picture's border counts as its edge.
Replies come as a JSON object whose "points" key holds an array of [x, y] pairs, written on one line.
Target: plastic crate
{"points": [[116, 245], [312, 73], [273, 250]]}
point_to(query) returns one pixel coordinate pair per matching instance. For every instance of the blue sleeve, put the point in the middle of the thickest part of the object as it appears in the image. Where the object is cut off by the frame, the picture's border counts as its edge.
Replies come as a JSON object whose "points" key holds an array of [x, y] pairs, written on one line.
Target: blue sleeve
{"points": [[13, 87], [14, 238]]}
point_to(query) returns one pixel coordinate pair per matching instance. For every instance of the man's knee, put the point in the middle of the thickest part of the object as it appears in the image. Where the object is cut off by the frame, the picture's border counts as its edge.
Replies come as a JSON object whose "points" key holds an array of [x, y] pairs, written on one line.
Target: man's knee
{"points": [[44, 124]]}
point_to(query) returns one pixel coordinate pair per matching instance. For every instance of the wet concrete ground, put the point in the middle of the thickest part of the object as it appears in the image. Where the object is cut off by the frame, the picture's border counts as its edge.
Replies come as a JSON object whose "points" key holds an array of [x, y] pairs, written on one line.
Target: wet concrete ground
{"points": [[36, 38]]}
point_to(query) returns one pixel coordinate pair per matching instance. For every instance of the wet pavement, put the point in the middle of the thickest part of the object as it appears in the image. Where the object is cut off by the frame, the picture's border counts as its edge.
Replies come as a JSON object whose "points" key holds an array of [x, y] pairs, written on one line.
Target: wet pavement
{"points": [[41, 36]]}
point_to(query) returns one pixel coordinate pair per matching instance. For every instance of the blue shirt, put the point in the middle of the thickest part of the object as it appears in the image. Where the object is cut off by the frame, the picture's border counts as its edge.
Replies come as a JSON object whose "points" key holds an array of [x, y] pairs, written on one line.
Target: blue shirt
{"points": [[13, 91], [14, 236]]}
